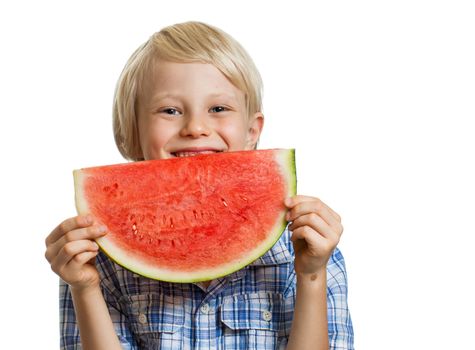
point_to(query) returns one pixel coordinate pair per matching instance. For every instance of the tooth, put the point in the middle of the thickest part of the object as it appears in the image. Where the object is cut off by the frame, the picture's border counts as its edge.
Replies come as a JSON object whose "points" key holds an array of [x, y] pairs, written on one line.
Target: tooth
{"points": [[191, 153]]}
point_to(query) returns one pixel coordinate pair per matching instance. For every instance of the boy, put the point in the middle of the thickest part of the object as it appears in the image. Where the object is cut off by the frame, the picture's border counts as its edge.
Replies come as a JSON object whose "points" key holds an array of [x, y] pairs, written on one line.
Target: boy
{"points": [[191, 89]]}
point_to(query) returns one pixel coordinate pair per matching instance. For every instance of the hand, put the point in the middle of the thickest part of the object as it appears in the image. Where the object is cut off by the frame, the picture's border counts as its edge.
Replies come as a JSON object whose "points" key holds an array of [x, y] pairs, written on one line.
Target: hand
{"points": [[70, 250], [316, 231]]}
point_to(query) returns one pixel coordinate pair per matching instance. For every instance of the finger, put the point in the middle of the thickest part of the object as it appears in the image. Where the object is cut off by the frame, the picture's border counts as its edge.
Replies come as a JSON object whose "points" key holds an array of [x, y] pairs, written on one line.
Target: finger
{"points": [[69, 251], [91, 233], [68, 225], [315, 242], [334, 213], [293, 201], [81, 259], [315, 222], [315, 206]]}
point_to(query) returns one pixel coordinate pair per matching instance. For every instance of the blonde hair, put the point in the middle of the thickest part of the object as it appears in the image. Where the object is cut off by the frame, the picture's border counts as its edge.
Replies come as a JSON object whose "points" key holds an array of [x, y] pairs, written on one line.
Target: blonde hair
{"points": [[183, 43]]}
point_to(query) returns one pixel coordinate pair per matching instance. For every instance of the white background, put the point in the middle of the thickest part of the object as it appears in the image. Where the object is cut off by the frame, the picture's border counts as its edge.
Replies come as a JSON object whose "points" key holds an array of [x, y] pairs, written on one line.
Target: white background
{"points": [[377, 97]]}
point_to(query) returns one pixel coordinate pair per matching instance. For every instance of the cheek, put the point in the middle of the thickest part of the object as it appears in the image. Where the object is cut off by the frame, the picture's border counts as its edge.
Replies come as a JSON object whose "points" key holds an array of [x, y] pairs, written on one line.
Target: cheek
{"points": [[153, 137], [235, 133]]}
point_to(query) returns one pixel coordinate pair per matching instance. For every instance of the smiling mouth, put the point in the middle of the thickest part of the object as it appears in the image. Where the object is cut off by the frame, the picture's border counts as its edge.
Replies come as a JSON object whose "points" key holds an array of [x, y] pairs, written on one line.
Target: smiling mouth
{"points": [[179, 154]]}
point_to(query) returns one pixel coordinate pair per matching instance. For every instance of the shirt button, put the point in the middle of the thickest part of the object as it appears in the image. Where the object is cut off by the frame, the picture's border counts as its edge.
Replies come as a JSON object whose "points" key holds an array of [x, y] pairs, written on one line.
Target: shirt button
{"points": [[142, 318], [267, 315], [204, 308]]}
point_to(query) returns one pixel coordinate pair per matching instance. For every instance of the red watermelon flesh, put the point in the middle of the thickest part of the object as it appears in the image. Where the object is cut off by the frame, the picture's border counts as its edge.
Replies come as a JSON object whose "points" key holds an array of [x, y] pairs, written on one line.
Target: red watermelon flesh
{"points": [[193, 218]]}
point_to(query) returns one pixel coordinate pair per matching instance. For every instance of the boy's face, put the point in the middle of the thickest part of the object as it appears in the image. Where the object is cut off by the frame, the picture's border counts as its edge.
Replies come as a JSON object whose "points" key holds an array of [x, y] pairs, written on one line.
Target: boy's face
{"points": [[191, 108]]}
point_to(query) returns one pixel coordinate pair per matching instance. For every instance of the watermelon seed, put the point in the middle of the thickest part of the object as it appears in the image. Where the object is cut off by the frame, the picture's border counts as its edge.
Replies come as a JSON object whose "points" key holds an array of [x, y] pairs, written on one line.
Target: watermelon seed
{"points": [[116, 186], [224, 202], [134, 228], [171, 223], [195, 213], [106, 188], [173, 243], [242, 216]]}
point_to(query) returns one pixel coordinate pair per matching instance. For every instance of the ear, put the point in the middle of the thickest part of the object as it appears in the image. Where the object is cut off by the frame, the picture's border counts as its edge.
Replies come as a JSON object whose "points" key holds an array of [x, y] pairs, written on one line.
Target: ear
{"points": [[255, 125]]}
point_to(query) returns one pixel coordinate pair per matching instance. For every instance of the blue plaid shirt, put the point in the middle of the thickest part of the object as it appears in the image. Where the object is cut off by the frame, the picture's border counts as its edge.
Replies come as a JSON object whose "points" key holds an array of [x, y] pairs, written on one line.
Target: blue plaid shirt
{"points": [[249, 309]]}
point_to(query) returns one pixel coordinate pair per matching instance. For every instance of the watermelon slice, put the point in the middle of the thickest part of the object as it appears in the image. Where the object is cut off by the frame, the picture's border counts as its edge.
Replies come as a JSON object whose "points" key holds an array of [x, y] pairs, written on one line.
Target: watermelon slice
{"points": [[189, 219]]}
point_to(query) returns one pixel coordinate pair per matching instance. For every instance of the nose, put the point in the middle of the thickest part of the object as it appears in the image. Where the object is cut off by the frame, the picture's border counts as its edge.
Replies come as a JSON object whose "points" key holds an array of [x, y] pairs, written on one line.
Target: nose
{"points": [[195, 126]]}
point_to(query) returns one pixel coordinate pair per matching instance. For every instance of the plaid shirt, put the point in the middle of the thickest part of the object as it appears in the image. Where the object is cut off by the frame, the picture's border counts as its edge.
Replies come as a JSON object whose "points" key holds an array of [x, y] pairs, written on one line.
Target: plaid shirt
{"points": [[249, 309]]}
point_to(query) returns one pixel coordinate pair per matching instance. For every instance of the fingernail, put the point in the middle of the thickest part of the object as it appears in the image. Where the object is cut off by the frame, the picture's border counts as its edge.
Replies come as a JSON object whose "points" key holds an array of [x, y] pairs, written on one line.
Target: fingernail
{"points": [[88, 219], [288, 202], [100, 229]]}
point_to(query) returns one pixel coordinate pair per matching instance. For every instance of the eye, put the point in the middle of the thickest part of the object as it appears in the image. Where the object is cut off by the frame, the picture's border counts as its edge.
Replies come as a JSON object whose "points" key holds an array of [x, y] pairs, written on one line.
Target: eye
{"points": [[218, 109], [170, 111]]}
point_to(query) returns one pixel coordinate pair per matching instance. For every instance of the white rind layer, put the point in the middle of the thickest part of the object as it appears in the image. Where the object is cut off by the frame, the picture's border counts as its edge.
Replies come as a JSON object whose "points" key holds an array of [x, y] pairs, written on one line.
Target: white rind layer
{"points": [[81, 204]]}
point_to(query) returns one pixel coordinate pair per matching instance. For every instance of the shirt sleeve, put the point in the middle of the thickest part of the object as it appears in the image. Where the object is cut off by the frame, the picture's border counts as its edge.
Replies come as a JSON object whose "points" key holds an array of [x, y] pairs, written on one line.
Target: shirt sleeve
{"points": [[69, 332], [340, 328]]}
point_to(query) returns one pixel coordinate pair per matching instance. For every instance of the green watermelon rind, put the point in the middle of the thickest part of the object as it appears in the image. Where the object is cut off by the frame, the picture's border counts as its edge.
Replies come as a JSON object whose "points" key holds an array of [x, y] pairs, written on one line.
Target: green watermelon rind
{"points": [[286, 159]]}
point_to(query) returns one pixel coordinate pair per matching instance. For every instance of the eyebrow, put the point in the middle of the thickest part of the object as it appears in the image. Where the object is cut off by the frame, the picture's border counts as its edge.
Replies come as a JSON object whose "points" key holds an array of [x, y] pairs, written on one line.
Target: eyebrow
{"points": [[178, 96], [221, 94], [165, 95]]}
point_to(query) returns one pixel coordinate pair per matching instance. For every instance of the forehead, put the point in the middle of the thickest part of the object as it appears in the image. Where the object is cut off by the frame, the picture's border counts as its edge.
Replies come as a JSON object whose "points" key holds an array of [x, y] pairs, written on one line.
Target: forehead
{"points": [[172, 79]]}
